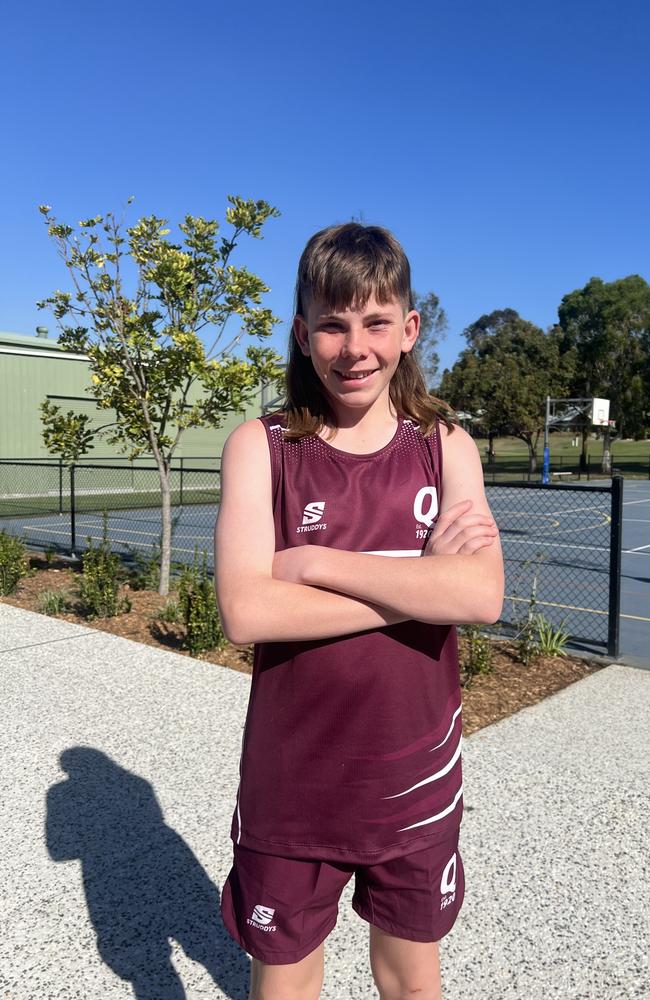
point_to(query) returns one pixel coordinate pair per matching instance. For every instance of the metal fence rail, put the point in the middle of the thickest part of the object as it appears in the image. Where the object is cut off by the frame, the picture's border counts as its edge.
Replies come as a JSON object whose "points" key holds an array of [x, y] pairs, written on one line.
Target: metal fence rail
{"points": [[561, 543]]}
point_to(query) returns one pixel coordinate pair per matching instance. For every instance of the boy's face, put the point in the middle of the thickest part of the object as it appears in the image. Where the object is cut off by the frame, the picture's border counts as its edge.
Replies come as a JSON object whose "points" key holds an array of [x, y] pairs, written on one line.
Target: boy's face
{"points": [[355, 352]]}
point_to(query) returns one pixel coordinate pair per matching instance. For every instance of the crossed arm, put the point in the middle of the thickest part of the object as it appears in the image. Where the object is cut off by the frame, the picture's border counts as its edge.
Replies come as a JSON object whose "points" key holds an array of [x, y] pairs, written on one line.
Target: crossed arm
{"points": [[314, 592]]}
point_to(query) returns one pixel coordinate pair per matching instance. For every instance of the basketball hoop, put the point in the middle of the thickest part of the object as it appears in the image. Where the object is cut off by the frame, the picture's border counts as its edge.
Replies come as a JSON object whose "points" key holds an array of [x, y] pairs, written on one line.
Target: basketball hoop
{"points": [[599, 413]]}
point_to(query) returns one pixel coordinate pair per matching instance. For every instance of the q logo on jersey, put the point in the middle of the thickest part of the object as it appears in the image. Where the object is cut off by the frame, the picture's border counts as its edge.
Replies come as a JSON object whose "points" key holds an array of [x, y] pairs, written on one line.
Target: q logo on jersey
{"points": [[427, 496]]}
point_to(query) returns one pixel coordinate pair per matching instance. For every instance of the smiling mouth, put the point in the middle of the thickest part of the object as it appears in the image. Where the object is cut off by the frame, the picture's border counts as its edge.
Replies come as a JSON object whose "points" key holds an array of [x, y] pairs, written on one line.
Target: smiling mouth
{"points": [[355, 376]]}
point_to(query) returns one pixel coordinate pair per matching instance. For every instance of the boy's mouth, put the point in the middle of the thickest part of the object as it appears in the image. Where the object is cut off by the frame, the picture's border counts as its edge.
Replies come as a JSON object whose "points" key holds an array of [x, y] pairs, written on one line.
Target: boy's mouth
{"points": [[359, 376]]}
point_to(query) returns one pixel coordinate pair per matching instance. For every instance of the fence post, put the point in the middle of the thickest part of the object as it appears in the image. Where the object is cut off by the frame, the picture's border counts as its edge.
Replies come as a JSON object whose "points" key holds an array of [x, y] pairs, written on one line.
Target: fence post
{"points": [[181, 490], [60, 486], [616, 531], [73, 526]]}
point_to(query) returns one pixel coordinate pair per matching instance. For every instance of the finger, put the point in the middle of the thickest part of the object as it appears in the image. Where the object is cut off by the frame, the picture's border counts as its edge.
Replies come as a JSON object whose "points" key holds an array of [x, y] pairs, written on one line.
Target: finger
{"points": [[474, 544], [468, 523], [451, 515], [454, 511]]}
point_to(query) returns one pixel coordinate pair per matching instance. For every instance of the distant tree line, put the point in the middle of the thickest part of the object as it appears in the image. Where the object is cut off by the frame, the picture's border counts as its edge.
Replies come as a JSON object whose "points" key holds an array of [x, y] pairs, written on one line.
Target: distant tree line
{"points": [[599, 347]]}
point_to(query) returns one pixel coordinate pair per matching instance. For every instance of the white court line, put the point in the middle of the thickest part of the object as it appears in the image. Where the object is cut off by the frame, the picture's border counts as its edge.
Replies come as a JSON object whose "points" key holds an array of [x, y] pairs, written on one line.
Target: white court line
{"points": [[511, 541], [79, 531], [567, 545], [554, 545], [639, 548]]}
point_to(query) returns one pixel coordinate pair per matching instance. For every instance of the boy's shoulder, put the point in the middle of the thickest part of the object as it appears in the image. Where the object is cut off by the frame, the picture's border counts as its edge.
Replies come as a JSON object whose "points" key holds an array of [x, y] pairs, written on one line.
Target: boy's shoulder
{"points": [[455, 436], [253, 432], [460, 452], [248, 434]]}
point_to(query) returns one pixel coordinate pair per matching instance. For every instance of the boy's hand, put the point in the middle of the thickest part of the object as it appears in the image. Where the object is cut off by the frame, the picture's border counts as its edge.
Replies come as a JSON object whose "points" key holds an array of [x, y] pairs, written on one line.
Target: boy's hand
{"points": [[458, 532], [288, 564]]}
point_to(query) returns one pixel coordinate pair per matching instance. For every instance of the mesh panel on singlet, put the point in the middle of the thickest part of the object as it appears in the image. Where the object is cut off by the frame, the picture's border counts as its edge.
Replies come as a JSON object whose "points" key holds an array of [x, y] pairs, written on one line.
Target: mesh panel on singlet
{"points": [[352, 746]]}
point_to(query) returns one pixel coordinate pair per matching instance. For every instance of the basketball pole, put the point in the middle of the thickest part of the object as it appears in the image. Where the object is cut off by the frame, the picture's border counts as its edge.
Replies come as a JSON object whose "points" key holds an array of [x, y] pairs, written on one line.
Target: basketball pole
{"points": [[547, 452], [580, 405]]}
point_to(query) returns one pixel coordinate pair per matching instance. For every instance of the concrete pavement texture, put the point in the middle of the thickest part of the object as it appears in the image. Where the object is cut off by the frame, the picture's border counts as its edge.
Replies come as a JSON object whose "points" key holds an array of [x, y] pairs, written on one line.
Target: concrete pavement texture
{"points": [[120, 772]]}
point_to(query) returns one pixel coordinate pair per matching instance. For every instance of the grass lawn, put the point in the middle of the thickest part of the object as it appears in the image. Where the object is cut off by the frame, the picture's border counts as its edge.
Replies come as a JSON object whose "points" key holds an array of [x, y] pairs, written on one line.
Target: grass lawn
{"points": [[631, 457]]}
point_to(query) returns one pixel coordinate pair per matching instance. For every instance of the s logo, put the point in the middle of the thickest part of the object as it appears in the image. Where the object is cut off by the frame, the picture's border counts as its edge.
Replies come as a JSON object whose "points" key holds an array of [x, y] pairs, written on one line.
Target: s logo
{"points": [[263, 914], [313, 512], [426, 493]]}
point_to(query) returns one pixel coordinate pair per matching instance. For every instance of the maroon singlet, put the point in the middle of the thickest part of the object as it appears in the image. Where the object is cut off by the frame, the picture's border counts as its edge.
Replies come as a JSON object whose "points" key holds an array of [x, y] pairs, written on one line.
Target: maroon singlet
{"points": [[352, 746]]}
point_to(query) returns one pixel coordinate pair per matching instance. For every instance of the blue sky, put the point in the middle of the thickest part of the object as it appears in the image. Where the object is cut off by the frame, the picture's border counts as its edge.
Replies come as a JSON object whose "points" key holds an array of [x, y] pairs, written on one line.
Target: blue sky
{"points": [[505, 143]]}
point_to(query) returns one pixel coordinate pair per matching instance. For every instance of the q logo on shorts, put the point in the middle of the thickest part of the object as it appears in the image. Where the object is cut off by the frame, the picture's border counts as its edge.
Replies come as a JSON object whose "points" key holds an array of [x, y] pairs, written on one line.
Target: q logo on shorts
{"points": [[428, 517], [448, 880]]}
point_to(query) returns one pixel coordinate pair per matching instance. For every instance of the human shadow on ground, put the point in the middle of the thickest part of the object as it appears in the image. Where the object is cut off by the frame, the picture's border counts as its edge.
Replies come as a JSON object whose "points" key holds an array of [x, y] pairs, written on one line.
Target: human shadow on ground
{"points": [[142, 882]]}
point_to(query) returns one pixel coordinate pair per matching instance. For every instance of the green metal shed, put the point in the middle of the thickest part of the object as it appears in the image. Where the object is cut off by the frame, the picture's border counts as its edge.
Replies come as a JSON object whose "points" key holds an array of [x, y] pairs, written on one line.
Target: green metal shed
{"points": [[33, 368]]}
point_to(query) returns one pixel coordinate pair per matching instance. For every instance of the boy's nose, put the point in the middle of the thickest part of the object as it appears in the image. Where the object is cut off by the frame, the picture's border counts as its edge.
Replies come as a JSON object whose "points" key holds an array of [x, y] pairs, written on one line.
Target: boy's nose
{"points": [[355, 344]]}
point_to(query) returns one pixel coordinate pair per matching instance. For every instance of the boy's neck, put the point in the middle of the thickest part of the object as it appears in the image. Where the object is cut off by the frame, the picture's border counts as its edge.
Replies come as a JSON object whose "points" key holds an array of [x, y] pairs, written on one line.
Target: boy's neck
{"points": [[360, 432]]}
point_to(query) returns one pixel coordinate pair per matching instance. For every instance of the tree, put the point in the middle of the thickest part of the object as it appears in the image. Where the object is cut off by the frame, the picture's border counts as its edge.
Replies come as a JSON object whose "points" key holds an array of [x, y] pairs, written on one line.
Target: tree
{"points": [[148, 361], [433, 326], [66, 434], [504, 375], [607, 326]]}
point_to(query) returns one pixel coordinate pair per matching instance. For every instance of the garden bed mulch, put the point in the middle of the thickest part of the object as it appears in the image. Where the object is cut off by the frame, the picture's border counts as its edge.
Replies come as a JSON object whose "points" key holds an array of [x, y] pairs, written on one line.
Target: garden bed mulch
{"points": [[509, 687]]}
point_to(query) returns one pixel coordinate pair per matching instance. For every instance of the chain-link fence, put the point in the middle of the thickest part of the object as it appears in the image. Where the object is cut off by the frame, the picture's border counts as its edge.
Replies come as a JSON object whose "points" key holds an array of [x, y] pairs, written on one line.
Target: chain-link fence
{"points": [[561, 543], [56, 507], [562, 551]]}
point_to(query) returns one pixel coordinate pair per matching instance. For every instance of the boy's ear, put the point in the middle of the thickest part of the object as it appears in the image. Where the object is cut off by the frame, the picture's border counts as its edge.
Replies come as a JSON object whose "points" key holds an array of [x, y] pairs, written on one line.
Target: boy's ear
{"points": [[301, 334], [411, 330]]}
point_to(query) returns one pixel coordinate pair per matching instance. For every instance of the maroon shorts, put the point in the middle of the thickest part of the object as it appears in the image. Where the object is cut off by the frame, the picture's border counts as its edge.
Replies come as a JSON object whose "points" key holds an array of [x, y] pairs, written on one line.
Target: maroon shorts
{"points": [[280, 909]]}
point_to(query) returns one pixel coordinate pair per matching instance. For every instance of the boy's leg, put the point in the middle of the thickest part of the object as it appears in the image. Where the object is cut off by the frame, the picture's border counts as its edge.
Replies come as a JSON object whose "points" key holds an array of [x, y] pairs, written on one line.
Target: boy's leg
{"points": [[403, 968], [300, 981], [411, 903], [280, 910]]}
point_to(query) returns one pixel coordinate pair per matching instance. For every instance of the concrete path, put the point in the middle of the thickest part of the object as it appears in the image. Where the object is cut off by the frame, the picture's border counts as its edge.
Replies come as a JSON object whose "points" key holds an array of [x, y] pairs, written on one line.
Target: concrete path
{"points": [[120, 770]]}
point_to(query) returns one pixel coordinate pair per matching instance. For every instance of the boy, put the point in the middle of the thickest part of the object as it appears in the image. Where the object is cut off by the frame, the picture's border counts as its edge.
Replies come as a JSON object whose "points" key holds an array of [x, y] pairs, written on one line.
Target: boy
{"points": [[351, 755]]}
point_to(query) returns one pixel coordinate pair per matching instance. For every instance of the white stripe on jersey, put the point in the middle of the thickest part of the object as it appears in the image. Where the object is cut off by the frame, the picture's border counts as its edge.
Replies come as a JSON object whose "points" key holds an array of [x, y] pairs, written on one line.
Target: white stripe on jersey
{"points": [[440, 815], [432, 777], [451, 726], [394, 552]]}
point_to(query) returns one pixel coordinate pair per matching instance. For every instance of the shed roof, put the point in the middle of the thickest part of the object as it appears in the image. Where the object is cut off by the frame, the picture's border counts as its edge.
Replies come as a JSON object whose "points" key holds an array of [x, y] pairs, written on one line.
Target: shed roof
{"points": [[30, 340]]}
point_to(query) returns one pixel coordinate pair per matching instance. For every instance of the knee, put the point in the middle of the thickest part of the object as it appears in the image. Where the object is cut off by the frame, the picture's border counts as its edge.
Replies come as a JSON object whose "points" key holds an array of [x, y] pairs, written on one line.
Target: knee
{"points": [[405, 984]]}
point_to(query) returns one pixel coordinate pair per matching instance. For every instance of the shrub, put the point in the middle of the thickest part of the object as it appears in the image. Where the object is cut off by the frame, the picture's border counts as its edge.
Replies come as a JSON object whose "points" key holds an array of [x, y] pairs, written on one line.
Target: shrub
{"points": [[199, 610], [13, 563], [527, 641], [478, 659], [53, 602], [169, 612], [551, 641], [145, 573], [100, 580]]}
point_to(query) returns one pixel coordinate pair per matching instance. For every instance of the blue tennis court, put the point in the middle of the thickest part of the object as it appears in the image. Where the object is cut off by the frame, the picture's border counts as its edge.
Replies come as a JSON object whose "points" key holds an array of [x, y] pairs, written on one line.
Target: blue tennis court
{"points": [[556, 543]]}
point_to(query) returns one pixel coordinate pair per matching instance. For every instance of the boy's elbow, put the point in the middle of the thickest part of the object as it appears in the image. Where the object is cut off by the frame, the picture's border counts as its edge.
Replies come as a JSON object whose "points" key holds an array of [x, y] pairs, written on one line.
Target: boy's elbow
{"points": [[235, 626], [492, 607], [233, 621], [490, 614]]}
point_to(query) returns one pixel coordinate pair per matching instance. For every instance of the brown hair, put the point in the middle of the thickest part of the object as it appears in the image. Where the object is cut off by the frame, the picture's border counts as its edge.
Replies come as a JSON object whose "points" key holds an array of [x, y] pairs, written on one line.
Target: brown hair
{"points": [[342, 265]]}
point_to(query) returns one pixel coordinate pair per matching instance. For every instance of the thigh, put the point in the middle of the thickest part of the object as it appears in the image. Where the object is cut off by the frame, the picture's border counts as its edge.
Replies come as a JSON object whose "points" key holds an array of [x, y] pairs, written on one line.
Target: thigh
{"points": [[417, 897], [281, 909]]}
